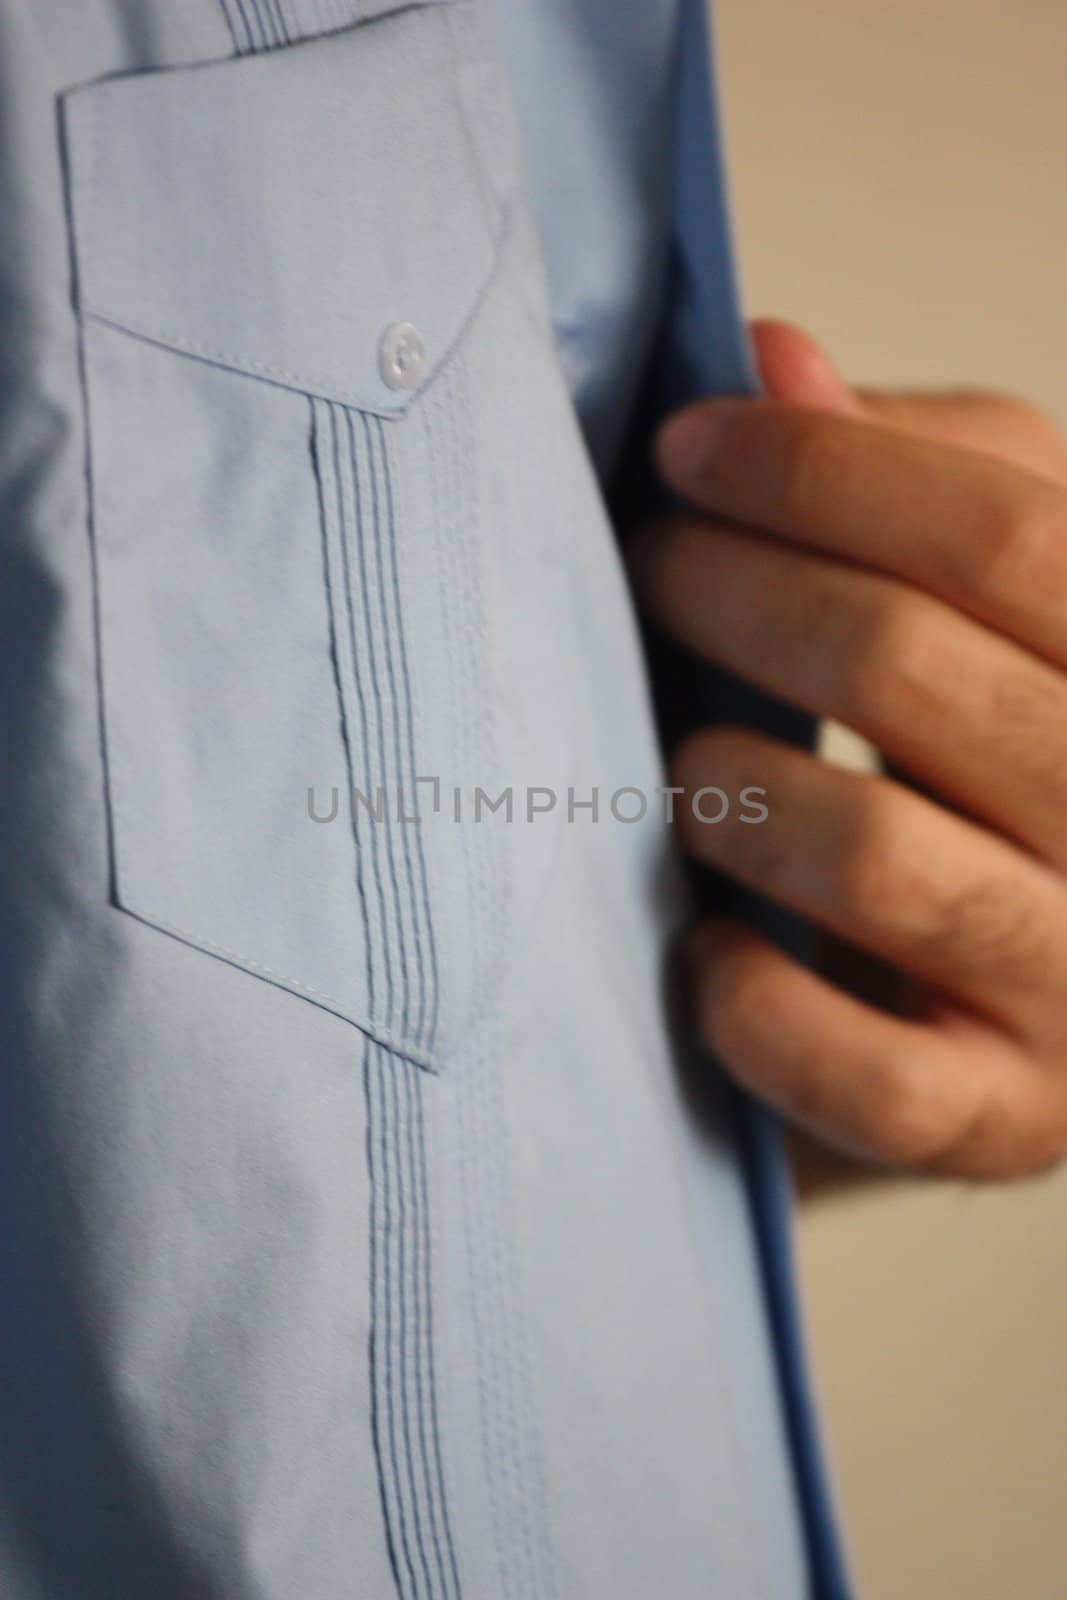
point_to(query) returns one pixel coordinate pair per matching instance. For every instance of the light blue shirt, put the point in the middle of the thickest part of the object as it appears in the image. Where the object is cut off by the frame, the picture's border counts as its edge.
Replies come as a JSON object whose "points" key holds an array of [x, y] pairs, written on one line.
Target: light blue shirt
{"points": [[368, 1229], [595, 92], [628, 180]]}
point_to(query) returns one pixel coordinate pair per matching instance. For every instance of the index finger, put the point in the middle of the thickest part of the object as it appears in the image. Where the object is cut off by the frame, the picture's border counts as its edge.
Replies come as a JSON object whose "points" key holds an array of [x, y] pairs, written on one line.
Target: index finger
{"points": [[987, 536]]}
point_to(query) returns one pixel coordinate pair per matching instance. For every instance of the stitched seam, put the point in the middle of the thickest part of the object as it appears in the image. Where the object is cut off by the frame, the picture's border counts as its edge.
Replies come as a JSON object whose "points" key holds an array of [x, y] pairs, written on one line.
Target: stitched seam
{"points": [[421, 419], [432, 1469], [438, 418], [426, 1371], [414, 1487], [536, 1576], [377, 1350], [400, 1315], [403, 1379], [371, 536], [281, 32], [356, 700], [320, 385], [418, 887], [266, 24], [378, 656], [320, 419], [384, 536], [340, 1008], [504, 1407], [124, 828], [364, 667], [497, 1352], [453, 538], [409, 1376], [390, 1233], [444, 525], [445, 1499], [237, 22], [408, 1306]]}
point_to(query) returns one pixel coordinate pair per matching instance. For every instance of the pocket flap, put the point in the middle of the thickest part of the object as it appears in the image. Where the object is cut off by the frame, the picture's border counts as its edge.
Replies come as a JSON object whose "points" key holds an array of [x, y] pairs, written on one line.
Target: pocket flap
{"points": [[292, 214]]}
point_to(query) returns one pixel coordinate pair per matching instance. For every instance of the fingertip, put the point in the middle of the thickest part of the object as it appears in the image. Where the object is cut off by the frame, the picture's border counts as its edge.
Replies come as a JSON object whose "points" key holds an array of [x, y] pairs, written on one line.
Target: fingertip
{"points": [[795, 367], [690, 441]]}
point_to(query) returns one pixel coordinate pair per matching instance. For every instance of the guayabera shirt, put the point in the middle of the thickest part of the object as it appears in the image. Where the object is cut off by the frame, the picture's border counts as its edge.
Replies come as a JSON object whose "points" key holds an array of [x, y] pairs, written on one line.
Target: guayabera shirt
{"points": [[364, 1233]]}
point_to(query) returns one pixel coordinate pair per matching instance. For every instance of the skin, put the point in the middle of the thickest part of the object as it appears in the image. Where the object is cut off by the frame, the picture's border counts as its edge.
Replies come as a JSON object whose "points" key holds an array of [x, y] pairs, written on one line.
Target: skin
{"points": [[897, 562]]}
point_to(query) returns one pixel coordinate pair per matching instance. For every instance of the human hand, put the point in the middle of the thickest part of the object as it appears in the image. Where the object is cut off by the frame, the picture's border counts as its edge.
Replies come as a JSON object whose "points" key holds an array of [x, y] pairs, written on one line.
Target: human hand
{"points": [[900, 564]]}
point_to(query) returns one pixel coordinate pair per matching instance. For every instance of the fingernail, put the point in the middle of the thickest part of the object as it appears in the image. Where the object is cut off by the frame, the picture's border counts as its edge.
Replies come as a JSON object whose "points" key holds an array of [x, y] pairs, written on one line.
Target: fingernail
{"points": [[690, 443]]}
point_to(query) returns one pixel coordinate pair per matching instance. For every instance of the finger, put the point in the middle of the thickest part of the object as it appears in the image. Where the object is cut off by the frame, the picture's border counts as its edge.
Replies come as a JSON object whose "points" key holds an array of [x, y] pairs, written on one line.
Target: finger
{"points": [[794, 367], [885, 869], [890, 662], [900, 1093], [974, 419], [989, 538]]}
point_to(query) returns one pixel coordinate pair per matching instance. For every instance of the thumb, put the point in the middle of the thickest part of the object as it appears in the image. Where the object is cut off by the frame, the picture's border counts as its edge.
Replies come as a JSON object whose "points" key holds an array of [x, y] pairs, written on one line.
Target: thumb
{"points": [[793, 367]]}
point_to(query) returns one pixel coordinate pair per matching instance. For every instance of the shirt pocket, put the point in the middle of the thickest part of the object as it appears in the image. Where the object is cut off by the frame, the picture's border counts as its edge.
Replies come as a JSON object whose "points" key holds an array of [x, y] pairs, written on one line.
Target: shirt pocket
{"points": [[279, 261]]}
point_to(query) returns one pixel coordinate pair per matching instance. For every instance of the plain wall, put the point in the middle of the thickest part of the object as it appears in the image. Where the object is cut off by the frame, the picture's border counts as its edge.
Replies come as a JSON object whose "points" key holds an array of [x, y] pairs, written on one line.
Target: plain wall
{"points": [[900, 183]]}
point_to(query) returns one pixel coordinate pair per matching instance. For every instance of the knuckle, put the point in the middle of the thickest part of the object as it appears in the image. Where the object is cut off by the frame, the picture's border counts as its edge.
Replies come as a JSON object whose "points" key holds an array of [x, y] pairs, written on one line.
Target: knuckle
{"points": [[929, 1122], [887, 1111], [1020, 544], [883, 877], [907, 1127], [1000, 1137], [870, 871], [990, 925], [1028, 710], [898, 658]]}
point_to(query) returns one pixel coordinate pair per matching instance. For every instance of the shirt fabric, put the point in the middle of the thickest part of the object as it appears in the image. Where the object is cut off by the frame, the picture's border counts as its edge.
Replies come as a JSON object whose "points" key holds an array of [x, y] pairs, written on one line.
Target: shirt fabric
{"points": [[628, 180], [369, 1229]]}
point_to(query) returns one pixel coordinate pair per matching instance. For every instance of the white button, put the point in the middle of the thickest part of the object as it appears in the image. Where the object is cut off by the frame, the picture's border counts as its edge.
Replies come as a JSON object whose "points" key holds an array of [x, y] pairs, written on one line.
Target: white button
{"points": [[401, 356]]}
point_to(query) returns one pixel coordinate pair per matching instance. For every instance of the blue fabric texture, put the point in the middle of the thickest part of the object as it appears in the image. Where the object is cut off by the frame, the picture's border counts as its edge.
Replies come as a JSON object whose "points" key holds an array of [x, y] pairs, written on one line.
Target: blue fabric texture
{"points": [[635, 224], [713, 350], [268, 24], [362, 1232]]}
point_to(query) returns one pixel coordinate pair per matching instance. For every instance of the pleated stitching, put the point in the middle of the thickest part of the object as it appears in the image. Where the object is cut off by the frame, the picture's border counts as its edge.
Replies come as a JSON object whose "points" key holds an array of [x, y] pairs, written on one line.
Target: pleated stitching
{"points": [[360, 533], [267, 24]]}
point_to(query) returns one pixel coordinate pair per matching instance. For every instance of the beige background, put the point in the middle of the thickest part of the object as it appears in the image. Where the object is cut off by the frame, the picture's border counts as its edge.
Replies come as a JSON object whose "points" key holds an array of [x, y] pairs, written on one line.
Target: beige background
{"points": [[900, 182]]}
